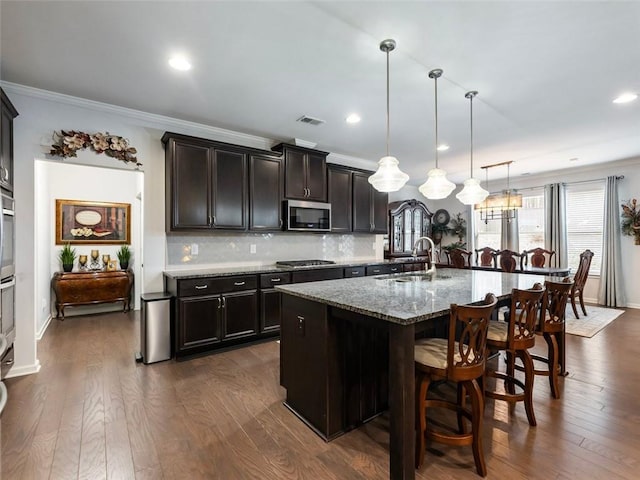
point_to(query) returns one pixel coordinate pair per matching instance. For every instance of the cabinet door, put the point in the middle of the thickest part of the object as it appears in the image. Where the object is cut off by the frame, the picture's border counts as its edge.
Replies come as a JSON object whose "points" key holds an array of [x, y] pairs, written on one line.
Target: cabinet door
{"points": [[270, 310], [198, 321], [240, 314], [229, 190], [188, 167], [294, 175], [361, 203], [265, 193], [380, 210], [316, 176], [340, 199], [6, 149]]}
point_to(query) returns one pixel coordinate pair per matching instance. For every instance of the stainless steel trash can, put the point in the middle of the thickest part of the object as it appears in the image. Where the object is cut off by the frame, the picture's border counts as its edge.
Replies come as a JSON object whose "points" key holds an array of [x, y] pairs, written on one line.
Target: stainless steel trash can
{"points": [[155, 327]]}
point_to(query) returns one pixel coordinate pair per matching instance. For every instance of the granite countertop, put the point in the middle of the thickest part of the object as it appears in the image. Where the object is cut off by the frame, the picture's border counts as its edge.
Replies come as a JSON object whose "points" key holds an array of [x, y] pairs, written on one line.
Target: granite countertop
{"points": [[389, 298], [255, 269]]}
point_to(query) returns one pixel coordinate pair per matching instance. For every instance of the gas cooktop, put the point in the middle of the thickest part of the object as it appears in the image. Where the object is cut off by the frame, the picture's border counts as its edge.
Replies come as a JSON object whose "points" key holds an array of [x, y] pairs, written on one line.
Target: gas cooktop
{"points": [[303, 263]]}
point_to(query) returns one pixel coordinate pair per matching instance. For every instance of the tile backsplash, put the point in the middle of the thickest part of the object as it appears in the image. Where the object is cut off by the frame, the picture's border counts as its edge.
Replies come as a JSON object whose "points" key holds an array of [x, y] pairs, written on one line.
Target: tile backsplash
{"points": [[244, 249]]}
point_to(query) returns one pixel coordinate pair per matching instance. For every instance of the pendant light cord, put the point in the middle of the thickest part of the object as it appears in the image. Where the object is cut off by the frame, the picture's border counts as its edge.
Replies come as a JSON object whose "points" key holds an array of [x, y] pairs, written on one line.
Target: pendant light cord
{"points": [[471, 140], [436, 110], [387, 103]]}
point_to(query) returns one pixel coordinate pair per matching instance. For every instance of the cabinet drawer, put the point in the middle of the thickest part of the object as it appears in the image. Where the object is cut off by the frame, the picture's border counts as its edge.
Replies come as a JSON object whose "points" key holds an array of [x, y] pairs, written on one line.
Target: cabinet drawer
{"points": [[269, 280], [354, 272], [382, 269], [317, 275], [210, 285]]}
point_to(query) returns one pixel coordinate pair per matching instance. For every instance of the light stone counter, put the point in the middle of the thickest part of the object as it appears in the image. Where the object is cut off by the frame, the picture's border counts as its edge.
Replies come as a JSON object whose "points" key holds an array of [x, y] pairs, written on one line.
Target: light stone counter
{"points": [[389, 298]]}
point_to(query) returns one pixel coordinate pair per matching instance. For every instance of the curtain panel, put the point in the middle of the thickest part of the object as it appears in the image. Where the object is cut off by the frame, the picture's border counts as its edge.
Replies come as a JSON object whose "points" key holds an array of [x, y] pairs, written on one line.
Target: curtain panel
{"points": [[555, 232], [611, 291]]}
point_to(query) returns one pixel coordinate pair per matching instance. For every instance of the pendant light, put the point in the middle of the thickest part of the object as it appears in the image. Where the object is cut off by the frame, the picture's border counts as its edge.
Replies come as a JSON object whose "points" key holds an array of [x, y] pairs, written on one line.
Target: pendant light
{"points": [[388, 177], [472, 192], [437, 186]]}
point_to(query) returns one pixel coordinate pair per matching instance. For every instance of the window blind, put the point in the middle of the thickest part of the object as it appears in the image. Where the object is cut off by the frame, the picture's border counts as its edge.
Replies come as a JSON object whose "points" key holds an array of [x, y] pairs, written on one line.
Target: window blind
{"points": [[585, 219]]}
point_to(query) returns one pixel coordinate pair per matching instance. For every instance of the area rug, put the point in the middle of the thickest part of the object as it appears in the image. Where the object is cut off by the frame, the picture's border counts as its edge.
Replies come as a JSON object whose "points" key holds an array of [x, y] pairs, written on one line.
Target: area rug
{"points": [[596, 320]]}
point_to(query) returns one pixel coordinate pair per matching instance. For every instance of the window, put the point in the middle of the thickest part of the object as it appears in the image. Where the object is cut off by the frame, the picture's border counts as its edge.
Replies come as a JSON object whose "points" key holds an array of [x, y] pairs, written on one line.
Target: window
{"points": [[585, 219], [530, 224]]}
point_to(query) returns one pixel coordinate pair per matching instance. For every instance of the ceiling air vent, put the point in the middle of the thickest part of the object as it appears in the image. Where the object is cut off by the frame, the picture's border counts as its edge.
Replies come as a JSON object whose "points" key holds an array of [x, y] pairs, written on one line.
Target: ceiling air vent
{"points": [[310, 120]]}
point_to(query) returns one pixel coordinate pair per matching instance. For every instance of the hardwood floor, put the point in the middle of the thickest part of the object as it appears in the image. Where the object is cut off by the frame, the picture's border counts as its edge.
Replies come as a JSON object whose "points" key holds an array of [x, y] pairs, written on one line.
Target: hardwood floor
{"points": [[93, 413]]}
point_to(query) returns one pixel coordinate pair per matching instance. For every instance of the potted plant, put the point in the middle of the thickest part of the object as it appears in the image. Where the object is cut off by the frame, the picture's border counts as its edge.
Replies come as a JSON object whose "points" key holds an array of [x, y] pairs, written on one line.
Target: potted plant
{"points": [[438, 230], [67, 256], [124, 256], [630, 224]]}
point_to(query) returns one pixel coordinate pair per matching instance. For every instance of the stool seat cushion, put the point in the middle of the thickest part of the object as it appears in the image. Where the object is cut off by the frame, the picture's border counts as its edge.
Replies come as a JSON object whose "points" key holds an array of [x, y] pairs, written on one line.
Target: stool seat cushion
{"points": [[498, 331], [432, 352]]}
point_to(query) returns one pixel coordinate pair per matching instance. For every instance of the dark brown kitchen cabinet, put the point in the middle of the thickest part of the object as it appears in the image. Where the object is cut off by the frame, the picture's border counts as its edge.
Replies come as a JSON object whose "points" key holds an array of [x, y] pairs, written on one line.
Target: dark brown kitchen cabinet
{"points": [[271, 301], [305, 172], [213, 312], [7, 114], [265, 193], [369, 206], [340, 190]]}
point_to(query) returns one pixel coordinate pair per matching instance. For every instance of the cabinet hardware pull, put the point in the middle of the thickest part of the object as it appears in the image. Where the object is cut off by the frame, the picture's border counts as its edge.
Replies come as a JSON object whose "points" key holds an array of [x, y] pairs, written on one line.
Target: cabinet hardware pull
{"points": [[300, 318], [214, 220], [201, 287], [219, 303], [224, 302], [239, 284], [355, 272], [280, 223], [276, 279]]}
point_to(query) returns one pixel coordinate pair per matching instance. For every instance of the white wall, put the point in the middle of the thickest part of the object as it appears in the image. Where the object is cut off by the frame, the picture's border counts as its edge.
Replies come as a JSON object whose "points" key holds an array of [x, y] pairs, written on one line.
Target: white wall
{"points": [[88, 183]]}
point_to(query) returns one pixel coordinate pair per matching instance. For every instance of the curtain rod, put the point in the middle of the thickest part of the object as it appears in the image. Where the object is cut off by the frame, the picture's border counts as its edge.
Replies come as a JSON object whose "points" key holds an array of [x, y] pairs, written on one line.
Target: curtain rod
{"points": [[618, 177]]}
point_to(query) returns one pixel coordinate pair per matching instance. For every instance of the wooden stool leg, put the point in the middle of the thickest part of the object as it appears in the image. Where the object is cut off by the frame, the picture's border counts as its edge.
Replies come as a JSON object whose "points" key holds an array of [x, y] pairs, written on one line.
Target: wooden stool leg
{"points": [[552, 357], [477, 408], [529, 377]]}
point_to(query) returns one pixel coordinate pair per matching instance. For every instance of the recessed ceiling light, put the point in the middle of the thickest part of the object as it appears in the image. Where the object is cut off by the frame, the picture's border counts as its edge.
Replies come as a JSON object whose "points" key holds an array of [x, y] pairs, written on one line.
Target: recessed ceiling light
{"points": [[525, 174], [443, 147], [353, 118], [180, 63], [574, 159], [626, 98]]}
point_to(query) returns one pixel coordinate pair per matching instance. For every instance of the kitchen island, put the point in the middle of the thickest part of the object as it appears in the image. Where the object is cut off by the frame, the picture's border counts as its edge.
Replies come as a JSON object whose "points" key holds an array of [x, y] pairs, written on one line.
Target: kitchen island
{"points": [[347, 347]]}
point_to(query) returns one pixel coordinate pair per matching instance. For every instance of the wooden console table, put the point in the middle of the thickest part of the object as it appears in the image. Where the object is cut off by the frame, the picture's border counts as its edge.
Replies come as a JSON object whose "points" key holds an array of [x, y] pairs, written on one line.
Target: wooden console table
{"points": [[86, 288]]}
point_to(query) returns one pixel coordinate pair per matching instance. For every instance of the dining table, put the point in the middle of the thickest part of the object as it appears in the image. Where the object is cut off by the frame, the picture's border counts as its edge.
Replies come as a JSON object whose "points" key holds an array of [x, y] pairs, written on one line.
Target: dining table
{"points": [[399, 304]]}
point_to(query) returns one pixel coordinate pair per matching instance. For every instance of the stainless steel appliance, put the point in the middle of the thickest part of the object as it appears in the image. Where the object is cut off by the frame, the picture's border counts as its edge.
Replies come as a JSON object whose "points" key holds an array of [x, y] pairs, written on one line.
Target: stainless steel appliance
{"points": [[155, 327], [307, 216], [7, 283]]}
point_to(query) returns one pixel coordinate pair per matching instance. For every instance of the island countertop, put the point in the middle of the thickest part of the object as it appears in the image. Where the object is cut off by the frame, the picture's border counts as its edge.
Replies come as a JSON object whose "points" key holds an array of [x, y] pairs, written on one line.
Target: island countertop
{"points": [[394, 299]]}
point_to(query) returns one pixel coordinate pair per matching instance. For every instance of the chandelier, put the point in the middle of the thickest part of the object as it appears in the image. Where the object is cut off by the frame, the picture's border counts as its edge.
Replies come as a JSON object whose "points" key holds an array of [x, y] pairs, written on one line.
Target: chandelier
{"points": [[499, 205]]}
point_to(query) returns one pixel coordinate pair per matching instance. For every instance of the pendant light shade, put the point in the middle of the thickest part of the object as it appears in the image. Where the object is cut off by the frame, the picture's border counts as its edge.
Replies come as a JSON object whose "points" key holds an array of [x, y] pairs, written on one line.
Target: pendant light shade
{"points": [[472, 192], [388, 177], [437, 185]]}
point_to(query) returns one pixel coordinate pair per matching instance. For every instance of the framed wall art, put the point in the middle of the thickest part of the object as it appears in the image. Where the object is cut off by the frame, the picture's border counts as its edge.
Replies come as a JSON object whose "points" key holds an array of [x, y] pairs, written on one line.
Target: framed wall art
{"points": [[81, 222]]}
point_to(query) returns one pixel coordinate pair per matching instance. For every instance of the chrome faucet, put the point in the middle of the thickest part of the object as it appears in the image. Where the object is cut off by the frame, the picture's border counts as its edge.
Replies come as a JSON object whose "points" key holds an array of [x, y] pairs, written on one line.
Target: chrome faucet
{"points": [[414, 254]]}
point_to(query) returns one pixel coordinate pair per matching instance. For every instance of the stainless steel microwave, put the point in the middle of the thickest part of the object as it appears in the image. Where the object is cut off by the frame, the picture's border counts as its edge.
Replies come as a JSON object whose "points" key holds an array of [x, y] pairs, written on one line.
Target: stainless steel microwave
{"points": [[304, 216]]}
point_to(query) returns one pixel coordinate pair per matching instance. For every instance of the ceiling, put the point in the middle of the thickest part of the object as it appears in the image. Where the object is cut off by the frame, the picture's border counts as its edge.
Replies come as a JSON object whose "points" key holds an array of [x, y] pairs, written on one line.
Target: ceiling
{"points": [[546, 73]]}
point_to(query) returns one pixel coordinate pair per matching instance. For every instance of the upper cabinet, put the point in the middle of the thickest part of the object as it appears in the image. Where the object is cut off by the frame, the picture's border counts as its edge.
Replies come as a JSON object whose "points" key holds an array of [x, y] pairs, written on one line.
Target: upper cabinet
{"points": [[340, 197], [207, 186], [410, 220], [305, 172], [370, 207], [8, 113], [265, 192]]}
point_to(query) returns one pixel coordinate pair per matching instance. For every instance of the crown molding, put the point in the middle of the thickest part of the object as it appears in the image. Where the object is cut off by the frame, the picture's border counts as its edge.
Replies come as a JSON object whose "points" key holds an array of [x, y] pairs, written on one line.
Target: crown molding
{"points": [[149, 119]]}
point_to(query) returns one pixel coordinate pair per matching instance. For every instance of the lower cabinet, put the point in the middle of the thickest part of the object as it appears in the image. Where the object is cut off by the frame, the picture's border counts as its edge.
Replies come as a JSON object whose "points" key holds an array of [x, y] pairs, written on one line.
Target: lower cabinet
{"points": [[270, 310]]}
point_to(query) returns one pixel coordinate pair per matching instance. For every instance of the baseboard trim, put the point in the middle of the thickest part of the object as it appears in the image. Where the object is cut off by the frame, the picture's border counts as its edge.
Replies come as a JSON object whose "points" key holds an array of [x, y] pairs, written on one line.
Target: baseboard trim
{"points": [[43, 328], [633, 305], [24, 370]]}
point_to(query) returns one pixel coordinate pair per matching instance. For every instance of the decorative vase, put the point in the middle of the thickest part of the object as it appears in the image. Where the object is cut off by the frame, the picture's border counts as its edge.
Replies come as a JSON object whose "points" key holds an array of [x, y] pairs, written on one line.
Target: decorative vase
{"points": [[124, 265], [67, 267]]}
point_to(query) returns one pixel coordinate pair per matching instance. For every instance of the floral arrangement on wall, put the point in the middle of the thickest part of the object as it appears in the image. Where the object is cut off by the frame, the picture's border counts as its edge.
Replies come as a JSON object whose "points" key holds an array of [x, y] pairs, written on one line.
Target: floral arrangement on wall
{"points": [[630, 224], [67, 144]]}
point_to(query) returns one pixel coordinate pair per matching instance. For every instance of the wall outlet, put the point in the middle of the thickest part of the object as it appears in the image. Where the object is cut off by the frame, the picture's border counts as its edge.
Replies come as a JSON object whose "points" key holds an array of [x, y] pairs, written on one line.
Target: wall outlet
{"points": [[252, 248], [194, 249]]}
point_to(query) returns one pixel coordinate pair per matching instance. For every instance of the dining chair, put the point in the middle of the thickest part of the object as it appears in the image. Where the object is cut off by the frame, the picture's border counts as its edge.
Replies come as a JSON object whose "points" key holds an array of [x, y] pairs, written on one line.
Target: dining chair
{"points": [[461, 361], [539, 257], [459, 258], [486, 257], [579, 281], [515, 337], [508, 260]]}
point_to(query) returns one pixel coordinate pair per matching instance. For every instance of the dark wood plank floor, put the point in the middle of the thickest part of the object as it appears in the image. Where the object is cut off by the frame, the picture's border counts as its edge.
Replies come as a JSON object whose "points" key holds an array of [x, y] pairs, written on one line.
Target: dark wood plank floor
{"points": [[93, 413]]}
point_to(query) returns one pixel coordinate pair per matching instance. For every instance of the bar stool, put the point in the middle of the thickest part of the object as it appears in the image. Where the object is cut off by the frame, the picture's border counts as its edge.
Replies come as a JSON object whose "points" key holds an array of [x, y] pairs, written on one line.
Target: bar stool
{"points": [[461, 361], [516, 337]]}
